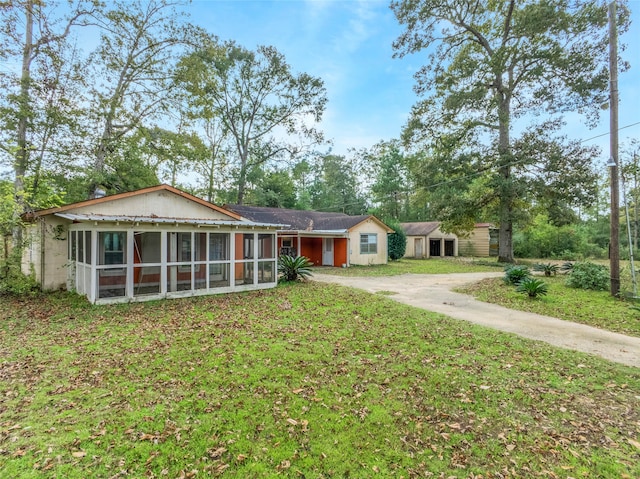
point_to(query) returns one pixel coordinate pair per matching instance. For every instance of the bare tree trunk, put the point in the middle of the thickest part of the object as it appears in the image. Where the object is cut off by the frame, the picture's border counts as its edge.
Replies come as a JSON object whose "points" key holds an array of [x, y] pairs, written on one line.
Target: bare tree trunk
{"points": [[22, 155], [505, 233]]}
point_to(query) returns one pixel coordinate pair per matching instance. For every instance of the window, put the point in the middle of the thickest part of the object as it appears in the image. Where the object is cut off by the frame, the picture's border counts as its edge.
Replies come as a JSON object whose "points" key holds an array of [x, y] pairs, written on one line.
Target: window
{"points": [[219, 246], [112, 247], [266, 246], [368, 243]]}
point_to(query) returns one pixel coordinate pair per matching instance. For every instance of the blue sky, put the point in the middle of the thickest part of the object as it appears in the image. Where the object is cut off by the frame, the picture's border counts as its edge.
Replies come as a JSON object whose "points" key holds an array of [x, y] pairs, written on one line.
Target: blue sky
{"points": [[347, 43]]}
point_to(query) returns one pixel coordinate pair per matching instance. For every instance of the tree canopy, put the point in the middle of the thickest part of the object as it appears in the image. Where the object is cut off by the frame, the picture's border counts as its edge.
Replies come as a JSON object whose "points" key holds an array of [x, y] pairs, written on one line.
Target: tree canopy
{"points": [[494, 64]]}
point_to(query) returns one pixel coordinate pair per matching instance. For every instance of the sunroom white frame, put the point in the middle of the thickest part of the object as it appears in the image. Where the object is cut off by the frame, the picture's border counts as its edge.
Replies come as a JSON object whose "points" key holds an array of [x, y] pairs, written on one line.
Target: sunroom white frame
{"points": [[84, 273]]}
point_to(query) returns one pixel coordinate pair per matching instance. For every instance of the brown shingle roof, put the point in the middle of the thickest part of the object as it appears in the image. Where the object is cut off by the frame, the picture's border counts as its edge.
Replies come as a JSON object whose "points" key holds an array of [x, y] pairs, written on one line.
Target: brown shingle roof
{"points": [[420, 228], [301, 220]]}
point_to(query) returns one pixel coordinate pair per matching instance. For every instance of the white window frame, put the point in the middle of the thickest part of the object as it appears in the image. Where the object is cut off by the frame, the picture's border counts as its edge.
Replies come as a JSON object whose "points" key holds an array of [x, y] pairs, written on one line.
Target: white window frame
{"points": [[366, 246]]}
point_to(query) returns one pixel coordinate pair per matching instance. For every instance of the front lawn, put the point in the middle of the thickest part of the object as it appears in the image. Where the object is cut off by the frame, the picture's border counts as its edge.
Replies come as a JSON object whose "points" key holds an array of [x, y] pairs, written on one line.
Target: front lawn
{"points": [[419, 266], [308, 380], [595, 308]]}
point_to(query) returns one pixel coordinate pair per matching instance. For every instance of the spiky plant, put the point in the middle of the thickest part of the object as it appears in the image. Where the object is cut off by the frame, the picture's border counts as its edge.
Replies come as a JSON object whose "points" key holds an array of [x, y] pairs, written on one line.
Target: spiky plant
{"points": [[515, 274], [532, 287], [566, 267], [549, 269], [294, 268]]}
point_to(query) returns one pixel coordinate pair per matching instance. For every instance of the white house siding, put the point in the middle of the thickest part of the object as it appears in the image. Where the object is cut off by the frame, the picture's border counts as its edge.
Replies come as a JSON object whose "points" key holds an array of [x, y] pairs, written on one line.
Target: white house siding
{"points": [[159, 203], [49, 235], [355, 256]]}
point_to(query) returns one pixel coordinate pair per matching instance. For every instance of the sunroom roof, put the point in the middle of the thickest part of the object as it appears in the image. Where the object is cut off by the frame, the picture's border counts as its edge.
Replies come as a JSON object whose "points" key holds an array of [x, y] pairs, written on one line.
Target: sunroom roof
{"points": [[163, 220]]}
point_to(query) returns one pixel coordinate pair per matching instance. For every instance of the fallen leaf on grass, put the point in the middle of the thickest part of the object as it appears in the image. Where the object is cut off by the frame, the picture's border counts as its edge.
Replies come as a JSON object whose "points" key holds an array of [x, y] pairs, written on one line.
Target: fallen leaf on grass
{"points": [[511, 447], [214, 453], [636, 444], [293, 422], [78, 454]]}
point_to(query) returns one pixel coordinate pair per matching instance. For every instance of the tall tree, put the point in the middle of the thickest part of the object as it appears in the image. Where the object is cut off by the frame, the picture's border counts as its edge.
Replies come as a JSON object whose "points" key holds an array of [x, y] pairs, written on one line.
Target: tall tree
{"points": [[268, 110], [33, 33], [337, 187], [492, 62], [391, 185], [140, 43]]}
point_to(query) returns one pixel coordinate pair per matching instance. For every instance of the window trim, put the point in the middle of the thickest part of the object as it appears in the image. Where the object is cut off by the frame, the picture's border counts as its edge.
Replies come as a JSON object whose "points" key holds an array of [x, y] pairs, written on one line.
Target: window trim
{"points": [[365, 247]]}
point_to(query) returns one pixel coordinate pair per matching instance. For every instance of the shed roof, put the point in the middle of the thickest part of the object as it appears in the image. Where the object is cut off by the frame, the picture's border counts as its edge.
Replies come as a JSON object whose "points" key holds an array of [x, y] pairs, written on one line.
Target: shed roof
{"points": [[418, 228], [302, 220]]}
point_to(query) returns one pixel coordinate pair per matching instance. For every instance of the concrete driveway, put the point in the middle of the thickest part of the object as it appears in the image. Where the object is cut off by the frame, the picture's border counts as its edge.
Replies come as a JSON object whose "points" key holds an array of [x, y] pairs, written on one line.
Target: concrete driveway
{"points": [[433, 292]]}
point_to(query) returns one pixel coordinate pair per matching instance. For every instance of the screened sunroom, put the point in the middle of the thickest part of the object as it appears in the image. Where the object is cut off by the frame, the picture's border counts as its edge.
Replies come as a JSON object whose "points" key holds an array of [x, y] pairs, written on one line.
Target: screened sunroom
{"points": [[165, 244], [109, 263]]}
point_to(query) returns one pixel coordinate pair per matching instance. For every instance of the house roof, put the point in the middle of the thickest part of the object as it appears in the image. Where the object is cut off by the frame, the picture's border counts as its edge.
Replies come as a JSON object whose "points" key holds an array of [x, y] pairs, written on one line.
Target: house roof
{"points": [[151, 189], [423, 228], [300, 220]]}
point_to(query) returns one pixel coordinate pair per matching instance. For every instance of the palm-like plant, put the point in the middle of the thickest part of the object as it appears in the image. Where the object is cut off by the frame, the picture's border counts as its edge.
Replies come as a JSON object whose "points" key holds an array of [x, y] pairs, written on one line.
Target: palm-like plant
{"points": [[548, 269], [294, 268], [515, 274], [532, 287], [566, 267]]}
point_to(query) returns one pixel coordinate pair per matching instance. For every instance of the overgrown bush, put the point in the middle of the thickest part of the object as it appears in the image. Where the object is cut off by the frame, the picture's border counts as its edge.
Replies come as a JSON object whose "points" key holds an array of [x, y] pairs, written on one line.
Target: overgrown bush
{"points": [[396, 242], [294, 268], [14, 281], [587, 275], [532, 287], [515, 274]]}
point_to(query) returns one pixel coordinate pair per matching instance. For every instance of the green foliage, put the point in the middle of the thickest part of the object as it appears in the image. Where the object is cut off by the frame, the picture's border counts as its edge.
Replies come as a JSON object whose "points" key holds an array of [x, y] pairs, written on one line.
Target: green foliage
{"points": [[587, 275], [274, 189], [396, 242], [532, 287], [549, 269], [253, 92], [472, 48], [566, 267], [12, 280], [542, 239], [515, 274], [337, 187], [294, 268], [391, 184]]}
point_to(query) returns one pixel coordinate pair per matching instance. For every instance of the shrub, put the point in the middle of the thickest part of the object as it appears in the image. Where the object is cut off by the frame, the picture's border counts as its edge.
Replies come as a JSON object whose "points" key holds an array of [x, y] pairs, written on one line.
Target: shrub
{"points": [[515, 274], [294, 268], [14, 281], [587, 275], [396, 242], [549, 269], [532, 287]]}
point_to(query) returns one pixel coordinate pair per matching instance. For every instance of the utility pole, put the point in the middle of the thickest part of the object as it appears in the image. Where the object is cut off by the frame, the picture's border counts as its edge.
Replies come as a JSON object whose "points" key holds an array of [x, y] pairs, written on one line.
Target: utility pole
{"points": [[614, 244]]}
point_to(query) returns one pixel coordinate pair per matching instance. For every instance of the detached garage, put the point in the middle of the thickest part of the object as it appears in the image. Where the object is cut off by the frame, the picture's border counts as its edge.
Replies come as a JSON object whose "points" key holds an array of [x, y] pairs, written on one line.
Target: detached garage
{"points": [[425, 240]]}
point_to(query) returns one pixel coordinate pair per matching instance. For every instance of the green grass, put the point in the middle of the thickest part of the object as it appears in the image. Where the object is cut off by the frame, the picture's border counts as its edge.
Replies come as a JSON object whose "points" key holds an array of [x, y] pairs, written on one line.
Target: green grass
{"points": [[594, 308], [306, 380], [418, 266]]}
